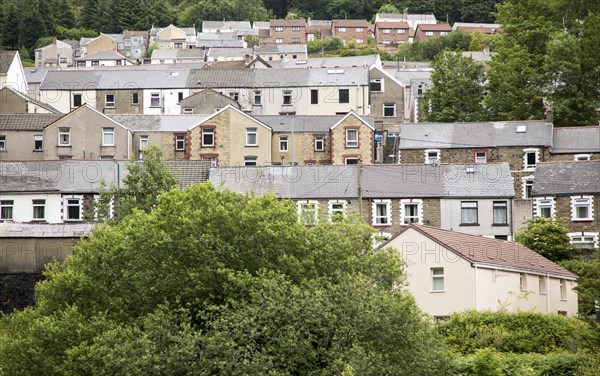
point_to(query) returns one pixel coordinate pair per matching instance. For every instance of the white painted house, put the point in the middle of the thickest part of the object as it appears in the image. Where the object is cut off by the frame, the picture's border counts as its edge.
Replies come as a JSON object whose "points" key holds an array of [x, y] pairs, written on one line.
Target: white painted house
{"points": [[11, 71], [448, 272]]}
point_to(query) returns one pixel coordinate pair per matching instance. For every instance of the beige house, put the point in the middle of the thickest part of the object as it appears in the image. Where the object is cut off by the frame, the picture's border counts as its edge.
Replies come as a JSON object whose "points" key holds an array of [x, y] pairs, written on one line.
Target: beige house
{"points": [[103, 42], [302, 140], [206, 101], [173, 37], [86, 133], [13, 101], [56, 54], [450, 272], [22, 136], [230, 137]]}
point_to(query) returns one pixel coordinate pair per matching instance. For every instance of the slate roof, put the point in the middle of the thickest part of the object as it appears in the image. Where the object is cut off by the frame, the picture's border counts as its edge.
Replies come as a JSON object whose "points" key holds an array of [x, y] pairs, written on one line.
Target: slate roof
{"points": [[330, 62], [392, 25], [36, 75], [576, 140], [45, 230], [567, 178], [405, 17], [179, 53], [311, 77], [446, 180], [66, 176], [103, 55], [114, 79], [6, 59], [26, 122], [292, 182], [189, 172], [484, 27], [490, 252], [161, 123], [220, 78], [279, 48], [227, 35], [479, 56], [229, 52], [27, 98], [469, 135], [378, 181], [234, 25], [304, 123], [219, 43]]}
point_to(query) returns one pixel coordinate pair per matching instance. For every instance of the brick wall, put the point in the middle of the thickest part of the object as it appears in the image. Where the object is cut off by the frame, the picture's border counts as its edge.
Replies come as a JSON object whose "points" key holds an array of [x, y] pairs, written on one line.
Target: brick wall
{"points": [[563, 210], [339, 151]]}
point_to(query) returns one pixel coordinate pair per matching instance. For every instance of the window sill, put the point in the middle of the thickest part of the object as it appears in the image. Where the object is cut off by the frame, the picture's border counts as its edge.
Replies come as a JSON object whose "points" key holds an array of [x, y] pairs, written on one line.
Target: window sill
{"points": [[469, 224], [251, 146], [108, 146], [64, 146], [351, 147], [207, 146], [583, 220], [381, 224], [37, 150], [437, 291], [500, 224], [257, 105], [72, 220]]}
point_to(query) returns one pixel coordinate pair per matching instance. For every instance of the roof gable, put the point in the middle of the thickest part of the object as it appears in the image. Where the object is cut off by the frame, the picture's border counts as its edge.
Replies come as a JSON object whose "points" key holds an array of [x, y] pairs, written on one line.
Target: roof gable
{"points": [[353, 114], [229, 107], [489, 252], [86, 107]]}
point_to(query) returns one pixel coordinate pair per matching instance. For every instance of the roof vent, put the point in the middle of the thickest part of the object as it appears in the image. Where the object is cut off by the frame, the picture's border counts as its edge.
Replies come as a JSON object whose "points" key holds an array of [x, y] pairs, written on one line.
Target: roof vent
{"points": [[521, 128]]}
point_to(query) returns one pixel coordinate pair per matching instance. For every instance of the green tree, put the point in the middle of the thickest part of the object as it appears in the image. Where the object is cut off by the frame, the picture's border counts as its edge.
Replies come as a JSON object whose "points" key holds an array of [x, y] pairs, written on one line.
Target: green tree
{"points": [[548, 237], [565, 82], [227, 283], [144, 183], [588, 284], [457, 89]]}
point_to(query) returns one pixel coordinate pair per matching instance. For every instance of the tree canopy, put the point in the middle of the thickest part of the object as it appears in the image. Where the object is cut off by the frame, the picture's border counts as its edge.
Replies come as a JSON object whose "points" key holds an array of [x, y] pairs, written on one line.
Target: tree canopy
{"points": [[548, 237], [216, 282]]}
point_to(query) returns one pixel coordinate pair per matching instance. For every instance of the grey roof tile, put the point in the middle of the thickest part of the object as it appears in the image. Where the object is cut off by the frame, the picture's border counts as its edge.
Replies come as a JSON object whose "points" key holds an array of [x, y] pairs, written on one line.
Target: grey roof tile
{"points": [[113, 78], [46, 230], [103, 55], [6, 59], [567, 178], [164, 123], [576, 140], [190, 172], [26, 122], [304, 123], [468, 135]]}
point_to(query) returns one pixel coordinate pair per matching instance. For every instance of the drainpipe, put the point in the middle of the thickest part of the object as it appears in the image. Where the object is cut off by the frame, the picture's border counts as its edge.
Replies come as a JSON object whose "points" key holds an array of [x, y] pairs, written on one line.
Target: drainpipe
{"points": [[475, 284]]}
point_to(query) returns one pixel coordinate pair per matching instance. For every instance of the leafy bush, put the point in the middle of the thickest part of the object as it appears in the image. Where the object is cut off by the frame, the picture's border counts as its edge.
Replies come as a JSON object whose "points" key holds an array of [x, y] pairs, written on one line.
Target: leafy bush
{"points": [[490, 362], [523, 332]]}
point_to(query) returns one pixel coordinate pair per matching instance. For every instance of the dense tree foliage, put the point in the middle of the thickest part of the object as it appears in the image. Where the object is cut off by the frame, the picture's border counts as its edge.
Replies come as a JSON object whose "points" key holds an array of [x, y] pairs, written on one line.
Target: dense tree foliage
{"points": [[548, 237], [215, 282], [588, 285], [457, 90]]}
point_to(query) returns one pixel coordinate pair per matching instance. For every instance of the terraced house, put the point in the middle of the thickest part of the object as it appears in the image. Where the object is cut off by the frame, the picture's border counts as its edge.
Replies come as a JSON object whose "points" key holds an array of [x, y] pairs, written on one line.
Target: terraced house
{"points": [[570, 190]]}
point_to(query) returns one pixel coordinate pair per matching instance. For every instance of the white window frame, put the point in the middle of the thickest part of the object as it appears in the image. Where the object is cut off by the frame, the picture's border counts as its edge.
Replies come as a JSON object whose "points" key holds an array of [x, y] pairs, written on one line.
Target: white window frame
{"points": [[67, 205], [110, 104], [500, 205], [562, 283], [524, 186], [437, 274], [80, 100], [341, 29], [352, 142], [469, 205], [36, 138], [207, 132], [257, 97], [295, 40], [155, 101], [381, 220], [386, 31], [542, 285], [544, 202], [8, 204], [404, 217], [429, 33], [2, 142], [279, 40], [582, 201], [301, 205], [429, 160], [582, 157], [63, 132], [319, 139], [296, 29], [188, 110], [379, 81], [283, 143], [279, 28], [351, 160], [143, 146], [179, 139], [580, 238], [250, 160], [527, 166], [443, 33], [387, 106], [479, 158], [401, 31], [135, 99], [335, 211], [286, 97], [108, 132], [38, 203], [360, 41], [212, 159], [360, 30], [523, 281], [251, 133]]}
